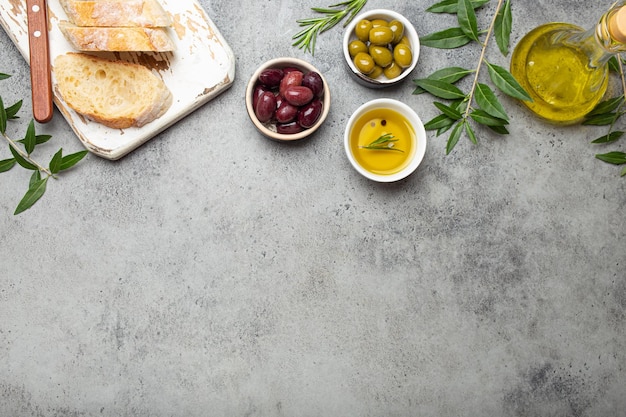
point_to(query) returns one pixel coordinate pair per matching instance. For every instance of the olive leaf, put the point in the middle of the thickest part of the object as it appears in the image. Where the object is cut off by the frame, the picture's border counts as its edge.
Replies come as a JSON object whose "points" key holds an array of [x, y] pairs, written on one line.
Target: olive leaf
{"points": [[484, 118], [503, 26], [455, 136], [30, 140], [440, 122], [55, 162], [449, 75], [469, 131], [35, 191], [487, 100], [467, 19], [446, 39], [449, 111], [12, 110], [3, 118], [7, 164], [70, 160], [601, 119], [606, 106], [451, 6], [22, 161], [506, 83], [615, 157], [440, 89], [610, 137]]}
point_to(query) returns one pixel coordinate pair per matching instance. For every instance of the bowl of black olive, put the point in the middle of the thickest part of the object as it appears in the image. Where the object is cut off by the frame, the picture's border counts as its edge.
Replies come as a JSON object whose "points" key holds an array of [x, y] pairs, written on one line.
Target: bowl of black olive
{"points": [[381, 48], [287, 99]]}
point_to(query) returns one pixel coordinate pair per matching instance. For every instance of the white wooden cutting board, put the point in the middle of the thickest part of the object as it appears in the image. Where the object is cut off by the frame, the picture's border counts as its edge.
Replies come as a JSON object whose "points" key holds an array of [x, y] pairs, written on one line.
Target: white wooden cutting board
{"points": [[201, 67]]}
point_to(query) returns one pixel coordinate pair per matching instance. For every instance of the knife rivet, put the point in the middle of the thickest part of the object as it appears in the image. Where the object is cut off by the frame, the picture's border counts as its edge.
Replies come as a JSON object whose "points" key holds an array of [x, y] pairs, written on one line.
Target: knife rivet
{"points": [[37, 33], [35, 8]]}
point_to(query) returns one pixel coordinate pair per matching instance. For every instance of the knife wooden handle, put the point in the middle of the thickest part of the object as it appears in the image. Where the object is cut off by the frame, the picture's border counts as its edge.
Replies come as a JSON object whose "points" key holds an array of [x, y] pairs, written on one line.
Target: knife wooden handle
{"points": [[40, 76]]}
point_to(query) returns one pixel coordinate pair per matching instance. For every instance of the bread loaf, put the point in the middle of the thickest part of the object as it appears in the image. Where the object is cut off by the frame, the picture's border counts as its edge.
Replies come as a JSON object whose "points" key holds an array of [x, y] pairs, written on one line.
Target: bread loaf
{"points": [[117, 39], [116, 13], [117, 94]]}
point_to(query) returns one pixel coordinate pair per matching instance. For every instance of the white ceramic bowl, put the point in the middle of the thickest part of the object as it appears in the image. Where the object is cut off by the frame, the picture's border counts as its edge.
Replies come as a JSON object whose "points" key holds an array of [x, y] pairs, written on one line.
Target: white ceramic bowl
{"points": [[409, 32], [269, 129], [418, 151]]}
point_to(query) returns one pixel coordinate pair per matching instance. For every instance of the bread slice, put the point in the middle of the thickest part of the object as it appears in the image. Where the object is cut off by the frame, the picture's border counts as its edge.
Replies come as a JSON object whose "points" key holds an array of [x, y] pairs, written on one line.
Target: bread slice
{"points": [[117, 94], [143, 13], [117, 39]]}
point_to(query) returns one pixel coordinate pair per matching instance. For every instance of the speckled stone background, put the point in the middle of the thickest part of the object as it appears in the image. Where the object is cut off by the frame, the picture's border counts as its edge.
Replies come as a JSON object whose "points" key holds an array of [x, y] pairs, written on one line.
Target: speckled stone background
{"points": [[215, 273]]}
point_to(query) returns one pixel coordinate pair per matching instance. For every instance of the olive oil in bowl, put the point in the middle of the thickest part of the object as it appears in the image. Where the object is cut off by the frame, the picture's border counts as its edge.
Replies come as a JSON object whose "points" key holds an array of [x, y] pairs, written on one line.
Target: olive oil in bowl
{"points": [[385, 140]]}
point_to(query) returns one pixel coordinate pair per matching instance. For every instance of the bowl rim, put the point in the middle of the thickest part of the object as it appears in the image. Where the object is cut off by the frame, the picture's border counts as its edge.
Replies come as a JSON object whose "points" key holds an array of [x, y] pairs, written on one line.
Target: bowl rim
{"points": [[416, 123], [379, 13], [283, 62]]}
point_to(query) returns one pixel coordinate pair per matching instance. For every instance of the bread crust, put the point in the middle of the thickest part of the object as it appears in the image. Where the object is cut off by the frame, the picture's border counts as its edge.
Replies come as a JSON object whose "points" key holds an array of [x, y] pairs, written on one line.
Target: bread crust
{"points": [[116, 13], [117, 94], [117, 39]]}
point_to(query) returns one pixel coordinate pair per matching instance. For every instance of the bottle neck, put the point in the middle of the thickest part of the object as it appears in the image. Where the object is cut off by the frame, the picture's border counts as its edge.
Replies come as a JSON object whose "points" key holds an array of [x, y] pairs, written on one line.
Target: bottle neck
{"points": [[601, 42]]}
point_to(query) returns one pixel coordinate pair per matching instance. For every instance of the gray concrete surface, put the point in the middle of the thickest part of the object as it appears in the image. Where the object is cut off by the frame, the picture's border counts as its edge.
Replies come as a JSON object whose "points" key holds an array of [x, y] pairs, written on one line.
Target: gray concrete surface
{"points": [[215, 273]]}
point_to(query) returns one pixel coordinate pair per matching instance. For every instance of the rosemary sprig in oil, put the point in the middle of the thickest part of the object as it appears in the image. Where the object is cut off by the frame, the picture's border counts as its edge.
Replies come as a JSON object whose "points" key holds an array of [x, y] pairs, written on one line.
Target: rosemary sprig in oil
{"points": [[306, 38], [385, 142]]}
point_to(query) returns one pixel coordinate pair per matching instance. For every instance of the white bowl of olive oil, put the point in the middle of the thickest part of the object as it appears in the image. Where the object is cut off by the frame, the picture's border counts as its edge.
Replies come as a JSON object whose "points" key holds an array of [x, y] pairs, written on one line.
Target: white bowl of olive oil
{"points": [[385, 140]]}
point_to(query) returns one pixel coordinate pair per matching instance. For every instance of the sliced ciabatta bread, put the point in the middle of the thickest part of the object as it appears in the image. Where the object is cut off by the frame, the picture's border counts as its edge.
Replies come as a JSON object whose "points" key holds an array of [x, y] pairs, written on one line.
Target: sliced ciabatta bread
{"points": [[117, 39], [117, 94], [145, 13]]}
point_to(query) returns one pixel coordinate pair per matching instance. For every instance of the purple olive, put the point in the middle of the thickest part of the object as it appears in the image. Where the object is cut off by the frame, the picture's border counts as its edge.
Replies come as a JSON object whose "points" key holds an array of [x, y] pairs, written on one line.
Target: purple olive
{"points": [[289, 128], [286, 112], [266, 107], [290, 79], [314, 81], [298, 95], [258, 90], [271, 77], [310, 114]]}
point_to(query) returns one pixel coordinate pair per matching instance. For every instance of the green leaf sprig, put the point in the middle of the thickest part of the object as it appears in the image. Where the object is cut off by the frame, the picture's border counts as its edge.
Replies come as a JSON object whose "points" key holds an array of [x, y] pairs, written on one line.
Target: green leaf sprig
{"points": [[385, 142], [607, 113], [21, 151], [480, 104], [307, 37]]}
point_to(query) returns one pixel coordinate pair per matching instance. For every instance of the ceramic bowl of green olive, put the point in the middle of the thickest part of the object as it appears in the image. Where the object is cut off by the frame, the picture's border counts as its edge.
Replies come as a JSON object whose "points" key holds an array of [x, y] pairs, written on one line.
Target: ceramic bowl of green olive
{"points": [[381, 48]]}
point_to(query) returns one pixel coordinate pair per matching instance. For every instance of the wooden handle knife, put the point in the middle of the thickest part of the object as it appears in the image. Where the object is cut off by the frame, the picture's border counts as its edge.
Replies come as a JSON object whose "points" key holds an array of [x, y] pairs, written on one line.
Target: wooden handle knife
{"points": [[40, 76]]}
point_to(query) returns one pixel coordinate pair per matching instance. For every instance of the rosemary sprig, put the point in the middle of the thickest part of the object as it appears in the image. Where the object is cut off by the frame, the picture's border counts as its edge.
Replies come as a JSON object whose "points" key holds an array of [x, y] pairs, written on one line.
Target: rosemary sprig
{"points": [[306, 38], [385, 142]]}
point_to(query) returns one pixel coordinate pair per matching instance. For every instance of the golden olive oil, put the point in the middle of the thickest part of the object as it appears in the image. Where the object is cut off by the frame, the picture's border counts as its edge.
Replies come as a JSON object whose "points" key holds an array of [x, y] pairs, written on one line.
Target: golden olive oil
{"points": [[371, 126], [557, 75]]}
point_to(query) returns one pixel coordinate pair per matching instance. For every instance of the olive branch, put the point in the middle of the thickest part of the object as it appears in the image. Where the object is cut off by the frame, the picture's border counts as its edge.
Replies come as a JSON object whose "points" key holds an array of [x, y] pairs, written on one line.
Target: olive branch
{"points": [[22, 150], [480, 105], [607, 113]]}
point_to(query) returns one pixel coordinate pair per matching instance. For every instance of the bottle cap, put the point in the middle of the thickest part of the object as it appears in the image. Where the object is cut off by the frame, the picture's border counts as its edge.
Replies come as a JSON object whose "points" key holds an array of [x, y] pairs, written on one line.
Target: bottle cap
{"points": [[617, 25]]}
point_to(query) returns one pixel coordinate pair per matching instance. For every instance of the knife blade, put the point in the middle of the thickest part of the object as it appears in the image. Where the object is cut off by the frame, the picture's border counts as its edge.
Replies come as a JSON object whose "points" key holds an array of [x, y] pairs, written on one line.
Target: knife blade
{"points": [[39, 51]]}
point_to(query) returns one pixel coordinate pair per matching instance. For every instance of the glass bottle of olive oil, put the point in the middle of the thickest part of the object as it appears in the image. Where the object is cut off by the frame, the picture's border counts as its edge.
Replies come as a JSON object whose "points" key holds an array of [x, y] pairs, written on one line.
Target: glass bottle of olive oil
{"points": [[564, 67]]}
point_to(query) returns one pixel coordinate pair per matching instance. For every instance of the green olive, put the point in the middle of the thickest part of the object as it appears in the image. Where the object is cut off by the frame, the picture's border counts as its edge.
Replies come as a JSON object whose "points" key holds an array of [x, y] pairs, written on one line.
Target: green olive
{"points": [[382, 55], [364, 63], [376, 72], [405, 41], [381, 35], [362, 30], [379, 22], [392, 71], [355, 47], [402, 55], [398, 30]]}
